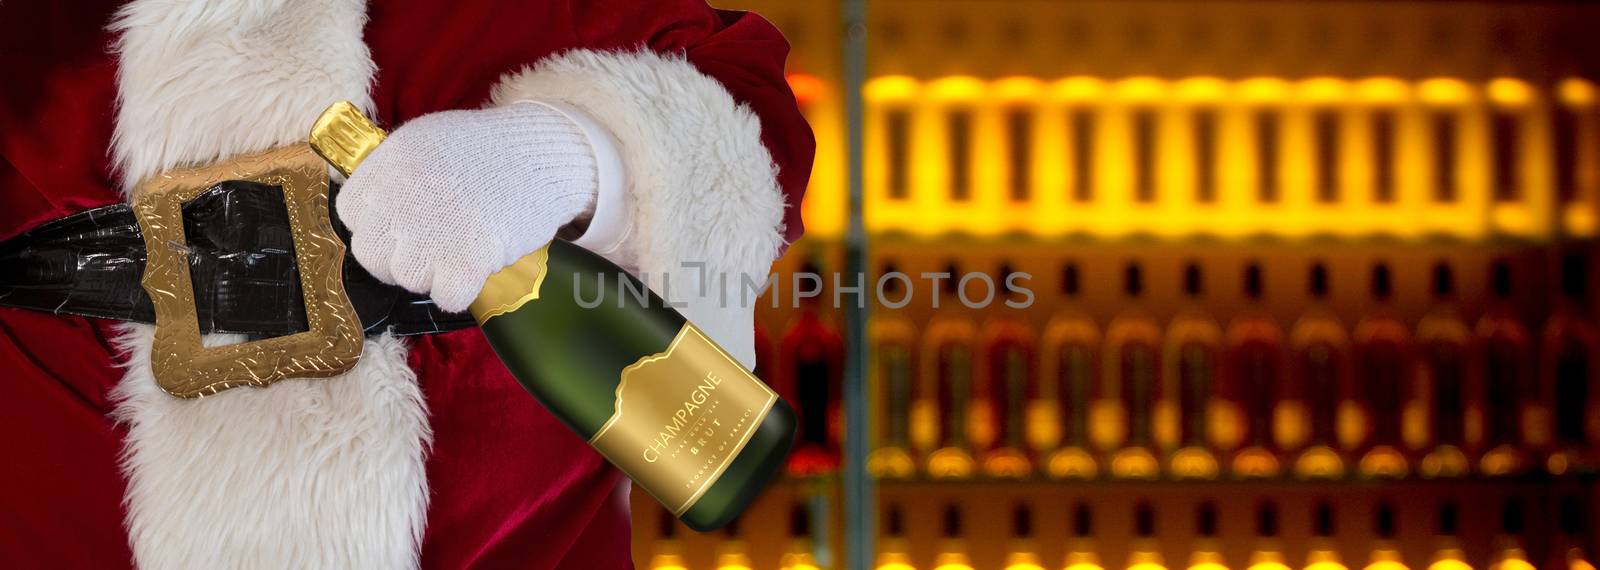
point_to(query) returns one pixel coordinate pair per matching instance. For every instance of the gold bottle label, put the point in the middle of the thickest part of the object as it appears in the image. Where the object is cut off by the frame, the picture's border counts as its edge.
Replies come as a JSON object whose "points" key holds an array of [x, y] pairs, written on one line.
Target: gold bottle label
{"points": [[681, 417]]}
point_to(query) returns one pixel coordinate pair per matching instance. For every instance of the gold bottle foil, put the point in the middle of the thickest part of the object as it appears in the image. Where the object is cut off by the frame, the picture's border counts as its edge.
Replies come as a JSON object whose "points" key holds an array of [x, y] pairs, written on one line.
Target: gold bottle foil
{"points": [[512, 287], [344, 137], [681, 417]]}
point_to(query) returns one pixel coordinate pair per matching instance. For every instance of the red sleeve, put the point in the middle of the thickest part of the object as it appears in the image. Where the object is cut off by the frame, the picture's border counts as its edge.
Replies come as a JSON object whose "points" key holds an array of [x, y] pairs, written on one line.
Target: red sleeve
{"points": [[741, 50]]}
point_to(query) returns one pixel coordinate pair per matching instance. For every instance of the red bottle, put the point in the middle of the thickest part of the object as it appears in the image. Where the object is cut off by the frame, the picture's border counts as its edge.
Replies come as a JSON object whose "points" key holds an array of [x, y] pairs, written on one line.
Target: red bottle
{"points": [[1384, 380], [1254, 373], [1006, 376], [1499, 379], [1570, 347], [1443, 343], [810, 374]]}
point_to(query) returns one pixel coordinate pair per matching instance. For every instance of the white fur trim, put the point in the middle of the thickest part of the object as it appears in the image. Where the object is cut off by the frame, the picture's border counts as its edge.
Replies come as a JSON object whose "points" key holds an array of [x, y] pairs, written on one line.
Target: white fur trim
{"points": [[300, 474], [702, 187], [324, 473], [198, 80]]}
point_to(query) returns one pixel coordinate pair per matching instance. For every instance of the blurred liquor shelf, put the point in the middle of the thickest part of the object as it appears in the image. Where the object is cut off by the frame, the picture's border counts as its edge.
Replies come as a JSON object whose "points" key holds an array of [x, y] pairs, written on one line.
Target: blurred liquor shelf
{"points": [[1149, 365], [1312, 285], [1203, 156], [1437, 526]]}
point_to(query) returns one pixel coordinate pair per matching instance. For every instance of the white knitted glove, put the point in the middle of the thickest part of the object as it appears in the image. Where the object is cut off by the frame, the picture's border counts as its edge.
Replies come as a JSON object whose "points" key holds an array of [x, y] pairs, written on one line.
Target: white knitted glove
{"points": [[452, 197]]}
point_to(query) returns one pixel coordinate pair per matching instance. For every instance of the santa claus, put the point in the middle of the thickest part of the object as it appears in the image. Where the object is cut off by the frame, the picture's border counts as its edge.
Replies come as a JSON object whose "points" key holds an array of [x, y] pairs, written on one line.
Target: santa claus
{"points": [[654, 132]]}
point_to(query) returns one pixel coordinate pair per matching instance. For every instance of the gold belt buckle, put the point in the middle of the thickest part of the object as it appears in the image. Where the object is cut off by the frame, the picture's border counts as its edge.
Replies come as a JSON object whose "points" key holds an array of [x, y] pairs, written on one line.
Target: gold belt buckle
{"points": [[333, 339]]}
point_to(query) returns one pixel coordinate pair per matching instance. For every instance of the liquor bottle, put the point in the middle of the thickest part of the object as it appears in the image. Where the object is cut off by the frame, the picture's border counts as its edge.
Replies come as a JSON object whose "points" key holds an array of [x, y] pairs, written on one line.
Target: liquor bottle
{"points": [[1121, 413], [1252, 383], [1314, 392], [1447, 550], [1383, 362], [1145, 552], [1570, 345], [1503, 357], [1322, 551], [1568, 552], [810, 374], [1006, 375], [1444, 341], [732, 552], [953, 546], [644, 386], [1268, 552], [1385, 553], [1206, 554], [1023, 553], [894, 348], [1509, 552], [1193, 341], [1083, 552], [801, 546], [946, 370], [894, 553], [1058, 417], [667, 554]]}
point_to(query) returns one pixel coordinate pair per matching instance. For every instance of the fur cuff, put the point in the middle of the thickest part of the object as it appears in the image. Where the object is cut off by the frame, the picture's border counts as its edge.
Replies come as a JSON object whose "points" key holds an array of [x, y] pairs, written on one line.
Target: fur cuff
{"points": [[705, 204]]}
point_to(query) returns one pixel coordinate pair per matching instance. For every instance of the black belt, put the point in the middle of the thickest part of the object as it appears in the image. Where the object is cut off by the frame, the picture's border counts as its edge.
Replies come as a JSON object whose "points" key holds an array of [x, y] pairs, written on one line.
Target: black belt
{"points": [[241, 259]]}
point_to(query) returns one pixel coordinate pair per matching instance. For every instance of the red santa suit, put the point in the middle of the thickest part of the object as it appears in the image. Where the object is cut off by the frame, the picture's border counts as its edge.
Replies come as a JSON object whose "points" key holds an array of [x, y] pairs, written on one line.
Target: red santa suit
{"points": [[427, 453]]}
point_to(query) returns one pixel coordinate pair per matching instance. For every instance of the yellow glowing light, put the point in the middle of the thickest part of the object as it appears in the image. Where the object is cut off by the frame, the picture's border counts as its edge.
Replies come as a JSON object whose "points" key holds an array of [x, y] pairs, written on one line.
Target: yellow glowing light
{"points": [[1263, 89], [1201, 89], [1386, 565], [1208, 566], [956, 88], [889, 88], [1575, 91], [1270, 565], [1509, 91], [1326, 565], [1083, 566], [1514, 562], [1146, 566], [1383, 90], [1324, 90], [953, 566], [1141, 89], [806, 87], [667, 562], [1079, 89], [1017, 88], [1449, 564], [1443, 90], [896, 566]]}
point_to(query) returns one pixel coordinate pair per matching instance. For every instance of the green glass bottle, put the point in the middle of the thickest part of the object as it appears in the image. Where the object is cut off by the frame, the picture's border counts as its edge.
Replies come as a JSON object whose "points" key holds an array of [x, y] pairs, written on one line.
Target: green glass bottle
{"points": [[648, 390]]}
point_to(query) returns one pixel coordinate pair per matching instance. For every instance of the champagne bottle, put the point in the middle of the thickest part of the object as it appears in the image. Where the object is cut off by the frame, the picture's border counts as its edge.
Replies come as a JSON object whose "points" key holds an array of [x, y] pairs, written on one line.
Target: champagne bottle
{"points": [[648, 390]]}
